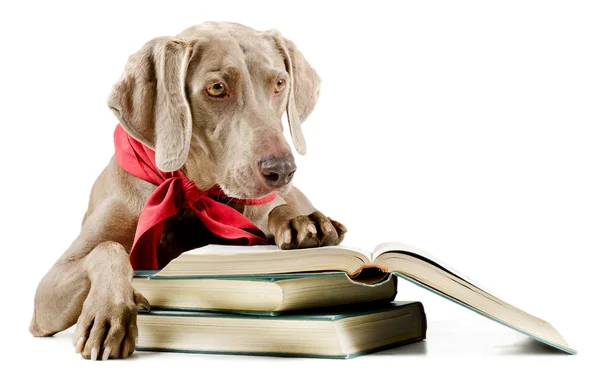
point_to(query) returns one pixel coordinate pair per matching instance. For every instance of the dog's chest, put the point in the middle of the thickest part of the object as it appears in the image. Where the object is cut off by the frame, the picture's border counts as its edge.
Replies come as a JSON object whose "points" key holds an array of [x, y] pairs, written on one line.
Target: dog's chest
{"points": [[183, 232]]}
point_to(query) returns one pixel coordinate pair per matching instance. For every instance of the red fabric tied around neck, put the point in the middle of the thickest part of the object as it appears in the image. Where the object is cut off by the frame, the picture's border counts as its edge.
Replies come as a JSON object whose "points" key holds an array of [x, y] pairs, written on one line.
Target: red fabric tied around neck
{"points": [[175, 191]]}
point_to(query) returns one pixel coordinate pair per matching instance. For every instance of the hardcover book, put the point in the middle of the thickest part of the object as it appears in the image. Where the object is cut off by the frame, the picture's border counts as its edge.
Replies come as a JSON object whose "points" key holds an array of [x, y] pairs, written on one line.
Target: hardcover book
{"points": [[366, 268], [269, 294], [327, 333]]}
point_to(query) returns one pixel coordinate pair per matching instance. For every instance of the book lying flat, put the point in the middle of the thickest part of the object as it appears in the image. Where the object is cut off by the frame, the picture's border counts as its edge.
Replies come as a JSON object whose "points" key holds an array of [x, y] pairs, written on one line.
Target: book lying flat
{"points": [[364, 267], [258, 294], [327, 333]]}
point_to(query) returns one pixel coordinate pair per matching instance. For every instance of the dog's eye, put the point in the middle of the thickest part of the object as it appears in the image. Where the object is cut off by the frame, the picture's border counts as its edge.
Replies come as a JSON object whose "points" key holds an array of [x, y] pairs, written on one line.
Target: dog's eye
{"points": [[279, 85], [217, 90]]}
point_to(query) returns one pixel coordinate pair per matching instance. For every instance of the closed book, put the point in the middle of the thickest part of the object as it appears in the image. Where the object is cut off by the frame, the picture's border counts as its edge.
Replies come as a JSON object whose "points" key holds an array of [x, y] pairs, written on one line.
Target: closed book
{"points": [[267, 295], [326, 333]]}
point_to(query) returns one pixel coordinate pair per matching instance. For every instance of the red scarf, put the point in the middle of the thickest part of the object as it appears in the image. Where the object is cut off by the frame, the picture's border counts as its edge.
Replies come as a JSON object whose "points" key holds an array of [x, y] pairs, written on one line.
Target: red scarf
{"points": [[174, 192]]}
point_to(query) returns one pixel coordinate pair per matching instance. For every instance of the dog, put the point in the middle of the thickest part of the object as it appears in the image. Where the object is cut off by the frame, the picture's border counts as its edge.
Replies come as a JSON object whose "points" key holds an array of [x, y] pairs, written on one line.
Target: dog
{"points": [[209, 102]]}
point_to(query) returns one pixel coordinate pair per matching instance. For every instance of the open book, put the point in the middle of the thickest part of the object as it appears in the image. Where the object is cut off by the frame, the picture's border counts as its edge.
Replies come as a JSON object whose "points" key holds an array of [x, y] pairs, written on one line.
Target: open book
{"points": [[363, 267]]}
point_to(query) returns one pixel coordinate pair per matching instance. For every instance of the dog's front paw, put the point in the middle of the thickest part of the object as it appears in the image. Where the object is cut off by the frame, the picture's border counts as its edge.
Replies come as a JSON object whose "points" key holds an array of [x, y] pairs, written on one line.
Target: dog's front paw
{"points": [[304, 231], [107, 326]]}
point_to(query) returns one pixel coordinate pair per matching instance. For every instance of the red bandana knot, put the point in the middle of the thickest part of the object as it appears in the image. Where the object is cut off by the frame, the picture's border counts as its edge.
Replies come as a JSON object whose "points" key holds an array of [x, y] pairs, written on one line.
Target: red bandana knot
{"points": [[191, 193]]}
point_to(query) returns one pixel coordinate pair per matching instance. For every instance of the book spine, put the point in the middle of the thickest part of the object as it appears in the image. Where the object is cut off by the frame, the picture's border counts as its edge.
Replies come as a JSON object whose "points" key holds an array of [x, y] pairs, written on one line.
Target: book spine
{"points": [[370, 275]]}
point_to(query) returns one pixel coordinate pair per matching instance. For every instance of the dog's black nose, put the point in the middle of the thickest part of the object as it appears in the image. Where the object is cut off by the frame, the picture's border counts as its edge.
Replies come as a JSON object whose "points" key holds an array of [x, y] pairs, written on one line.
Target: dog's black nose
{"points": [[277, 171]]}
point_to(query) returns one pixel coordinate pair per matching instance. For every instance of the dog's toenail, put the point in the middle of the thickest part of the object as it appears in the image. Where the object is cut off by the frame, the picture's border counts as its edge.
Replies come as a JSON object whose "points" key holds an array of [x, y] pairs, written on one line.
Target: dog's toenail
{"points": [[106, 353], [287, 236], [312, 229], [125, 351], [94, 355], [79, 345]]}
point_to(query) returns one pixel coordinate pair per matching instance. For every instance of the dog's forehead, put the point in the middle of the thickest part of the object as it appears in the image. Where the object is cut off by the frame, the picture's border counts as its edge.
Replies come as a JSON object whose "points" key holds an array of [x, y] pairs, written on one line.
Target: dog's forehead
{"points": [[256, 51], [234, 45]]}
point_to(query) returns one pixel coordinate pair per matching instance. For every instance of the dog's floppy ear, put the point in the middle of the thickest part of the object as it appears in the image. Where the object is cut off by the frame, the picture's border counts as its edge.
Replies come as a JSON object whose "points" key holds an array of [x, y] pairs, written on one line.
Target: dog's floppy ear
{"points": [[150, 100], [304, 88]]}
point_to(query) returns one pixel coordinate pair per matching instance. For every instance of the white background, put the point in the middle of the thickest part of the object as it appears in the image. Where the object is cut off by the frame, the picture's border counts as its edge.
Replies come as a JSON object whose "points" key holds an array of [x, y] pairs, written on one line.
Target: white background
{"points": [[469, 129]]}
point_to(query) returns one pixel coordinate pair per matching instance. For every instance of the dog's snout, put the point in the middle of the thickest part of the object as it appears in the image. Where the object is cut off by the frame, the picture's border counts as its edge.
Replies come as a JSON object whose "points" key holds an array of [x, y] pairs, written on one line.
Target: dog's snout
{"points": [[277, 171]]}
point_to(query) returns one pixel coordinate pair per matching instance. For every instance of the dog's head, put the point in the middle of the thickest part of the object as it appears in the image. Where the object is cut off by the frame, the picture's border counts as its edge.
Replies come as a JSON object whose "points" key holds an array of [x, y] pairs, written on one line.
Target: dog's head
{"points": [[210, 102]]}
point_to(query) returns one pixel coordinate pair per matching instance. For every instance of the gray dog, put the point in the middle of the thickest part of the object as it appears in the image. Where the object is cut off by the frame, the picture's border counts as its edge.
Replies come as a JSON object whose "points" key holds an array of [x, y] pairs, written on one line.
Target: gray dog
{"points": [[209, 102]]}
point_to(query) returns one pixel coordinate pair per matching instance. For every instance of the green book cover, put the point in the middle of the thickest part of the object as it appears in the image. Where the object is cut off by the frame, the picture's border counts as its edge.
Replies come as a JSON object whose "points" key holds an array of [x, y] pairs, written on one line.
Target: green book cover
{"points": [[150, 274]]}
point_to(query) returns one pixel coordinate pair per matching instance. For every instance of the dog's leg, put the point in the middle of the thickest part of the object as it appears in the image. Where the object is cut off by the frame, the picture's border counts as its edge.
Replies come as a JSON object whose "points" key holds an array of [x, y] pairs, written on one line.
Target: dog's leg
{"points": [[91, 286], [297, 224]]}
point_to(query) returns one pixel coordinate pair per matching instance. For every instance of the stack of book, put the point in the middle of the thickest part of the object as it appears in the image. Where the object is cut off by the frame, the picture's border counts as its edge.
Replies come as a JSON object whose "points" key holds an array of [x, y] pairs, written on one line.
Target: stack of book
{"points": [[331, 302]]}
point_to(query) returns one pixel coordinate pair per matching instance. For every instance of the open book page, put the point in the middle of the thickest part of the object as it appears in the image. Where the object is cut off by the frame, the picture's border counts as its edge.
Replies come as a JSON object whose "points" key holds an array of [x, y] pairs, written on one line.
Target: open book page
{"points": [[217, 260], [272, 249], [401, 247], [223, 249], [423, 269]]}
